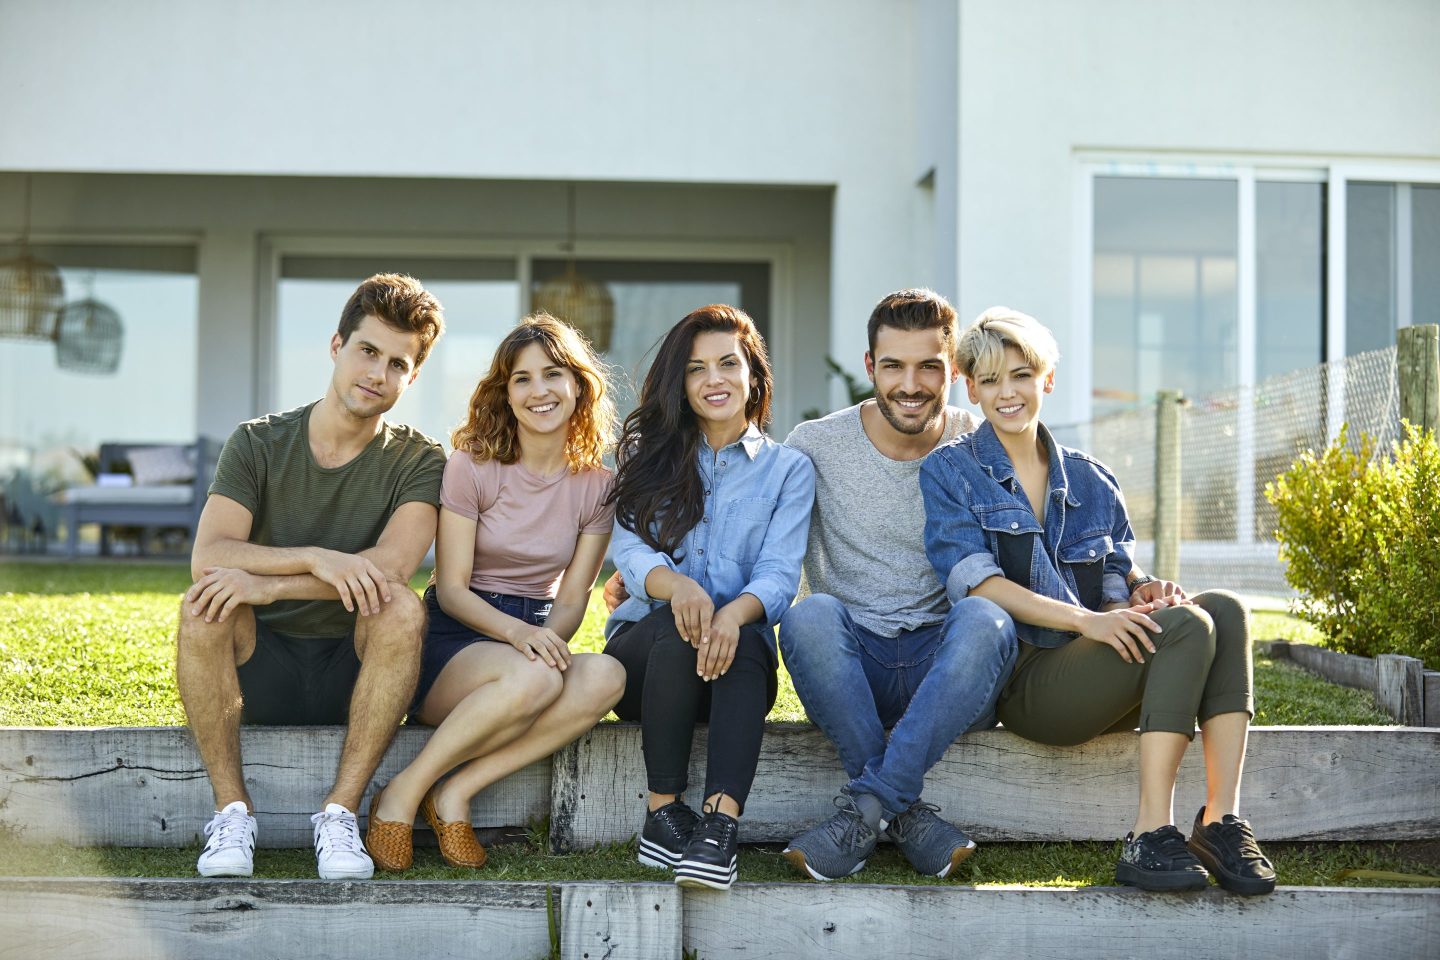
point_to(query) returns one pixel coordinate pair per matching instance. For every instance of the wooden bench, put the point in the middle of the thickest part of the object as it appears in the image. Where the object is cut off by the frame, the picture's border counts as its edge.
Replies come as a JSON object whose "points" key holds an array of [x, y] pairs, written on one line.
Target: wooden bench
{"points": [[129, 786], [123, 919]]}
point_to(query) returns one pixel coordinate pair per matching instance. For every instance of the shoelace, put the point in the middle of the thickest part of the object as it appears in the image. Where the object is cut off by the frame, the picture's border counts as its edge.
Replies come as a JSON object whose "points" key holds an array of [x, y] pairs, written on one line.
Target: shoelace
{"points": [[1170, 843], [913, 820], [230, 831], [678, 819], [1238, 834], [338, 832], [847, 836], [719, 829]]}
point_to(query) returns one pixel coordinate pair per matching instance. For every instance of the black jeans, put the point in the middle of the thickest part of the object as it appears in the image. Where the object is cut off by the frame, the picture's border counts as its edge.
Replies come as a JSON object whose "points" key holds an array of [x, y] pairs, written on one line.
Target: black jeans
{"points": [[664, 693]]}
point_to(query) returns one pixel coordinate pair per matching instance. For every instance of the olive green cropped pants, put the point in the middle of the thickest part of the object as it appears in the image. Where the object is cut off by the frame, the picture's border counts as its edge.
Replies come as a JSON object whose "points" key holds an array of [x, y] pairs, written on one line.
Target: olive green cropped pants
{"points": [[1200, 668]]}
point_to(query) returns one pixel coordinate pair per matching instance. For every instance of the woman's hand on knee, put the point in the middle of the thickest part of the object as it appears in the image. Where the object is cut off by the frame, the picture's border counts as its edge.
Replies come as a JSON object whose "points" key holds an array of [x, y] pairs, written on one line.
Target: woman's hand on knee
{"points": [[544, 644], [693, 609], [716, 656], [1124, 629]]}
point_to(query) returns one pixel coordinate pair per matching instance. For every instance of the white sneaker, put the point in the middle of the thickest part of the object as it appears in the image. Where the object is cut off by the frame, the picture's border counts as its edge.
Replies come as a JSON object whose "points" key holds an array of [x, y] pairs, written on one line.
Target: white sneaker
{"points": [[339, 851], [230, 849]]}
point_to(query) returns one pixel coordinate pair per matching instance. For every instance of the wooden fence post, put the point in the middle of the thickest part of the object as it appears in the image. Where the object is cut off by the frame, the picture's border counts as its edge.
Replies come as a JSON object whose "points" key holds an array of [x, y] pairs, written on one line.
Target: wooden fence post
{"points": [[1167, 485], [1400, 688], [1417, 361]]}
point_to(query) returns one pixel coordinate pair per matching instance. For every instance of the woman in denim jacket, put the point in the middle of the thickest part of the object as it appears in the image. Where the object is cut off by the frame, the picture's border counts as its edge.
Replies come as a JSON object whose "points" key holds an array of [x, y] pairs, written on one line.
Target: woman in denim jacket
{"points": [[711, 517], [1041, 530]]}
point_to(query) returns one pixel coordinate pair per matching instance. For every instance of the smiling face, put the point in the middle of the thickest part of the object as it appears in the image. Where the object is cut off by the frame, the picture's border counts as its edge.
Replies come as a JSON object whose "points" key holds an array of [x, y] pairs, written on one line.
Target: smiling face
{"points": [[373, 367], [541, 392], [718, 382], [1010, 397], [912, 373]]}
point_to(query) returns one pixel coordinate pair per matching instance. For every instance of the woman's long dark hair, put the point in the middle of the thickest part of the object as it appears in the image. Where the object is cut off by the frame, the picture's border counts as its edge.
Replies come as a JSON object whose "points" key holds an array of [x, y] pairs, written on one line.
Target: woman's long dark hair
{"points": [[658, 493]]}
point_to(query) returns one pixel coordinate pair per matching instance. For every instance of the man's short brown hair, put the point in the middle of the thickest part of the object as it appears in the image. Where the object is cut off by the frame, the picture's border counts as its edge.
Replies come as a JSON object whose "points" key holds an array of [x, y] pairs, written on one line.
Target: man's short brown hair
{"points": [[915, 309], [399, 302]]}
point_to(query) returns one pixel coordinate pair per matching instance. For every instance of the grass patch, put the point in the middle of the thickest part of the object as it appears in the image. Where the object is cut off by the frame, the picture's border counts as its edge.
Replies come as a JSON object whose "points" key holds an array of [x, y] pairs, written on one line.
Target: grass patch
{"points": [[1070, 865], [92, 644]]}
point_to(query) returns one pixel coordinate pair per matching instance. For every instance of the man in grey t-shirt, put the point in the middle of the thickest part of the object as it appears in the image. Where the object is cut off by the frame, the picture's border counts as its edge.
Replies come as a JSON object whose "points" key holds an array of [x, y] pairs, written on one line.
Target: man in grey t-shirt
{"points": [[876, 645]]}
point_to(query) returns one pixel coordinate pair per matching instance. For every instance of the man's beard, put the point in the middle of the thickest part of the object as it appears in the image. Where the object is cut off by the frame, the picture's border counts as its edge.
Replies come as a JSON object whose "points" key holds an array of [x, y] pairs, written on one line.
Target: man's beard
{"points": [[934, 412]]}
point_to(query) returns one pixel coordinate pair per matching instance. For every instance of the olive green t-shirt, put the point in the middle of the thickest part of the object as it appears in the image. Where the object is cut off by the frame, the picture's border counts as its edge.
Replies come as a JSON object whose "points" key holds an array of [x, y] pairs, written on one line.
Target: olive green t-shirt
{"points": [[267, 467]]}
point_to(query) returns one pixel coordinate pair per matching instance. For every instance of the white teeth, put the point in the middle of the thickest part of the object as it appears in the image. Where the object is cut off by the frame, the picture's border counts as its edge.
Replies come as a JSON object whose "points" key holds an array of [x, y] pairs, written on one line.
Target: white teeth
{"points": [[544, 408], [1013, 409], [717, 396]]}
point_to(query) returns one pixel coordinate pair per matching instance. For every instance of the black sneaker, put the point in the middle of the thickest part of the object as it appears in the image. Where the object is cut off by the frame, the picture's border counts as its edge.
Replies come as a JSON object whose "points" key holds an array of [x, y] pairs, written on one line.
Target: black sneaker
{"points": [[666, 834], [1229, 851], [1159, 860], [710, 859], [933, 846]]}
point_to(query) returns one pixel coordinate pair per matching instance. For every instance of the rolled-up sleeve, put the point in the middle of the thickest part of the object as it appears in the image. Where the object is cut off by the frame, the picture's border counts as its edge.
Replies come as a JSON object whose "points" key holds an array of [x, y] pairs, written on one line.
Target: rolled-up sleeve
{"points": [[634, 558], [954, 540], [775, 578]]}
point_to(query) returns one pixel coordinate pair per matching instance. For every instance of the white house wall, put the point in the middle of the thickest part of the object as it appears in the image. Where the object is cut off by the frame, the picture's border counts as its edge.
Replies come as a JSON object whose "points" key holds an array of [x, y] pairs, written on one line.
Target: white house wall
{"points": [[1044, 80]]}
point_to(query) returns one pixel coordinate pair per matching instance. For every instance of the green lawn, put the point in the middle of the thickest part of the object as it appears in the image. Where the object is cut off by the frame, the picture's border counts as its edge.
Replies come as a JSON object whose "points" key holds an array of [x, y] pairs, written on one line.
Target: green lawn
{"points": [[93, 645]]}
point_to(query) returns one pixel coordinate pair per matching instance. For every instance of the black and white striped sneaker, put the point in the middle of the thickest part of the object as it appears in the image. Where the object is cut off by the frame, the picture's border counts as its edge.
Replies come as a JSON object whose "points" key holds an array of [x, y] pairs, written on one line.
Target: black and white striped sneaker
{"points": [[666, 834], [711, 858]]}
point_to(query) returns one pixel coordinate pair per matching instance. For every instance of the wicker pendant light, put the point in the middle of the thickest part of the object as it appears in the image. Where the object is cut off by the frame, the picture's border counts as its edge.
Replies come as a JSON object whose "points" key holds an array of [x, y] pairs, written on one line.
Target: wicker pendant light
{"points": [[89, 337], [31, 290], [583, 303]]}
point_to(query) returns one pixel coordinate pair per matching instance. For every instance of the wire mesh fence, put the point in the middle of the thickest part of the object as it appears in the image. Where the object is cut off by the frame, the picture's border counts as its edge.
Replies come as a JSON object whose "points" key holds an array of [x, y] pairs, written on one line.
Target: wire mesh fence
{"points": [[1232, 443]]}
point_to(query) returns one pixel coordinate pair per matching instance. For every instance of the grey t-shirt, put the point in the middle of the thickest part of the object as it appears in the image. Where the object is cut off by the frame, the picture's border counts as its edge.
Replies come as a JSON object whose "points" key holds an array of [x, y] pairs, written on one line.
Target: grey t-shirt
{"points": [[867, 529]]}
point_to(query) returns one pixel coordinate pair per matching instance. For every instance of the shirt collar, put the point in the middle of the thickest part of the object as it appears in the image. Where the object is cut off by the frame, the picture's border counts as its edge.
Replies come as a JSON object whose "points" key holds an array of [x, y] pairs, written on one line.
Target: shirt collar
{"points": [[991, 453], [750, 441]]}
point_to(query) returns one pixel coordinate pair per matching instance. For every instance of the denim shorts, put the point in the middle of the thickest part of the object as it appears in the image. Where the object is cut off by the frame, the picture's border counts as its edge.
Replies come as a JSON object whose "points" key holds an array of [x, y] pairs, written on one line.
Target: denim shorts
{"points": [[445, 636]]}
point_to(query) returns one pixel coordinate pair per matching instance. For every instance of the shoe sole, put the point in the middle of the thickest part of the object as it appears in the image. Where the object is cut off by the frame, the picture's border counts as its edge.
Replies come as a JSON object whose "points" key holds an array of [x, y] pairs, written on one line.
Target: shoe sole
{"points": [[797, 860], [347, 874], [1159, 881], [654, 855], [1244, 886], [705, 875], [226, 871], [959, 856]]}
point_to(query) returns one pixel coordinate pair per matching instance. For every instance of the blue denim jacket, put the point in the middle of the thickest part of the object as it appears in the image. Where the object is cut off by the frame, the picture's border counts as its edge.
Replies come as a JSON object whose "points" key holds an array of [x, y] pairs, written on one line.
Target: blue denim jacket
{"points": [[979, 524], [758, 496]]}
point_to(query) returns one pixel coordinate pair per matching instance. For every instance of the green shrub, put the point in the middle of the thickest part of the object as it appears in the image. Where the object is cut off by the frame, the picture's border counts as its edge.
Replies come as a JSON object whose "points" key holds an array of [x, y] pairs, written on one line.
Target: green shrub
{"points": [[1360, 537]]}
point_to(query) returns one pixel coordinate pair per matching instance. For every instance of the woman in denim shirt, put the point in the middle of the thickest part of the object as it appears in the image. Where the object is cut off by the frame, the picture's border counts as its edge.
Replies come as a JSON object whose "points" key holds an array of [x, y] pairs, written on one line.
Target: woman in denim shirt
{"points": [[711, 517], [1041, 530]]}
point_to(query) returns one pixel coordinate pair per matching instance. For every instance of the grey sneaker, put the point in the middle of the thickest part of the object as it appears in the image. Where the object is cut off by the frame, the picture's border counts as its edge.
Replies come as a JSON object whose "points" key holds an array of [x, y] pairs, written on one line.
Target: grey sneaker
{"points": [[933, 846], [834, 848]]}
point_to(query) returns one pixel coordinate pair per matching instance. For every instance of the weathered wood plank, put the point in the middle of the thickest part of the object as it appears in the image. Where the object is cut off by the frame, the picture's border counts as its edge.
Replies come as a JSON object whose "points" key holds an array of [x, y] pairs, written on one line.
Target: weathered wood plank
{"points": [[1301, 783], [918, 923], [1345, 669], [1432, 698], [145, 786], [637, 921], [261, 920], [1399, 688]]}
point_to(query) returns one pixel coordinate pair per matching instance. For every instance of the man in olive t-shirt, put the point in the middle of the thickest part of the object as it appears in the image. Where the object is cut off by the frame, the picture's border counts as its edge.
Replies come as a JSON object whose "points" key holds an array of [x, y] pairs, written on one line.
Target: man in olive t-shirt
{"points": [[301, 612]]}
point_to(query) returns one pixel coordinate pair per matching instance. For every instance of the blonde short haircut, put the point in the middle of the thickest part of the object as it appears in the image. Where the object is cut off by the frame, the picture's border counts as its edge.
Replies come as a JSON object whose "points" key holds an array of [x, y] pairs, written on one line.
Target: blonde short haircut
{"points": [[981, 347]]}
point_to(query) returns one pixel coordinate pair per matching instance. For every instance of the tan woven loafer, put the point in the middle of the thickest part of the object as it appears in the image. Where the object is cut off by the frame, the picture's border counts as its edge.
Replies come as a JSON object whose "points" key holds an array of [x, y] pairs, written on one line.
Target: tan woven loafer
{"points": [[458, 846], [389, 842]]}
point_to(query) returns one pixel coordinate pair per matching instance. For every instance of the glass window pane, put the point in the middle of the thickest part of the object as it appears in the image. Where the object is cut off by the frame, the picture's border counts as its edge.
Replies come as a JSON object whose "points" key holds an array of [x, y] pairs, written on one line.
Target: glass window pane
{"points": [[481, 300], [1165, 288], [1425, 258], [1289, 277], [652, 296], [1370, 317], [48, 415]]}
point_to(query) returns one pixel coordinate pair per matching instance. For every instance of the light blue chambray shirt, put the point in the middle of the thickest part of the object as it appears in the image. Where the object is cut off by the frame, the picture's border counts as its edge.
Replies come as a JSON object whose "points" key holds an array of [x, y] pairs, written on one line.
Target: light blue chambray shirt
{"points": [[758, 496]]}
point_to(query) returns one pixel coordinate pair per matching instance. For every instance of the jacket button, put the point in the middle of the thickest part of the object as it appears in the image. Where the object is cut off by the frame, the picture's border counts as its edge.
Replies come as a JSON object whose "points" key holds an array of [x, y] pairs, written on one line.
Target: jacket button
{"points": [[701, 551], [1014, 525], [1092, 553], [722, 463]]}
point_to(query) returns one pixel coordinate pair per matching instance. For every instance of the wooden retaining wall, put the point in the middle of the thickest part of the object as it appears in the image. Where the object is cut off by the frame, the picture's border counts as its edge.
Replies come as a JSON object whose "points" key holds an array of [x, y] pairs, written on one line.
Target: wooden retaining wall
{"points": [[169, 919], [1401, 685], [128, 786]]}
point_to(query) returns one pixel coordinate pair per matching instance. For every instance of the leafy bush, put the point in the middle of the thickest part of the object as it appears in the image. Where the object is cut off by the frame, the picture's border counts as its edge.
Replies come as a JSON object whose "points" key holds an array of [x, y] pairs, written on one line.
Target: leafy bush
{"points": [[1360, 536]]}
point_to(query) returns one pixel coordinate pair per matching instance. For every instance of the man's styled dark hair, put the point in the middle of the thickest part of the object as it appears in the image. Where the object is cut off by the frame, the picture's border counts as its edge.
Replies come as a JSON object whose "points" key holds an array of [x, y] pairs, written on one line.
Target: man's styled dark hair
{"points": [[399, 302], [915, 309]]}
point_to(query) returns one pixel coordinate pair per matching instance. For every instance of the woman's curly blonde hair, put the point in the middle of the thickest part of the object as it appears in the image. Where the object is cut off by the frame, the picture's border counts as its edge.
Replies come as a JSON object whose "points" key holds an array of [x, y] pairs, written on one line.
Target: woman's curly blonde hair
{"points": [[490, 431]]}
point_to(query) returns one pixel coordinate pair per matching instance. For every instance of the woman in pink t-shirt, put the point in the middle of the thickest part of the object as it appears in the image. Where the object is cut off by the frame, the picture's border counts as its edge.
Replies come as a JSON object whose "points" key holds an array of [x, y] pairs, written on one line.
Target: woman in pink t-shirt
{"points": [[523, 531]]}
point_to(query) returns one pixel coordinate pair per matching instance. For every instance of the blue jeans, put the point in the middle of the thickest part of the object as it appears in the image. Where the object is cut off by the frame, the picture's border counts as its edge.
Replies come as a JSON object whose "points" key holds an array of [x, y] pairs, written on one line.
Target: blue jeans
{"points": [[928, 686]]}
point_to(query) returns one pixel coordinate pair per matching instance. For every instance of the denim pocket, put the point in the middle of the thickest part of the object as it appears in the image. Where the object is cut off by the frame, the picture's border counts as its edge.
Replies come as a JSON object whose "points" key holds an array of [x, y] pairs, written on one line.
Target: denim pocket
{"points": [[1085, 559], [743, 531]]}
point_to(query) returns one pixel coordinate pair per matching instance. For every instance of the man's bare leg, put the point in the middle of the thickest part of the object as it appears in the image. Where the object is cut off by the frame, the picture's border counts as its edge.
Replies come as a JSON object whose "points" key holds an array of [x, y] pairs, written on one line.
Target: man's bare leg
{"points": [[206, 657], [388, 645]]}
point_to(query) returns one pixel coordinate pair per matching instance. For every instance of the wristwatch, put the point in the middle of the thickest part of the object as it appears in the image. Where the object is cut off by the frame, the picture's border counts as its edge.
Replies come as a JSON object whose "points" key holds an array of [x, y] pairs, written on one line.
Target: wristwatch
{"points": [[1139, 582]]}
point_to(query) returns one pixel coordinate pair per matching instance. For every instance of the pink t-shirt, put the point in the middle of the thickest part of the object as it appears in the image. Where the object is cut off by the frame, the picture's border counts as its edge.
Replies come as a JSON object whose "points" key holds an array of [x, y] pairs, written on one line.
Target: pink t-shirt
{"points": [[526, 526]]}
